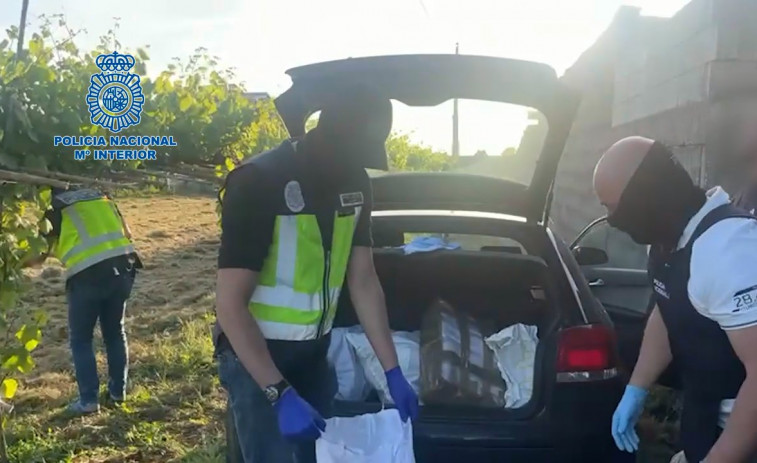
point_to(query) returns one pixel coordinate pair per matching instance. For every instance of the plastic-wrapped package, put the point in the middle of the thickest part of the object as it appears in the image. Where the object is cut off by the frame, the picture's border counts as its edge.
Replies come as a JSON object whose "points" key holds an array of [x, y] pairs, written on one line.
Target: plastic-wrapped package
{"points": [[456, 365]]}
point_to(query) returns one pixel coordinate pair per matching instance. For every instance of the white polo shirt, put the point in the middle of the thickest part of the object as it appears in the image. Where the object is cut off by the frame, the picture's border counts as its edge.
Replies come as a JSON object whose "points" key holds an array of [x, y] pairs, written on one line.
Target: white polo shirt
{"points": [[723, 271]]}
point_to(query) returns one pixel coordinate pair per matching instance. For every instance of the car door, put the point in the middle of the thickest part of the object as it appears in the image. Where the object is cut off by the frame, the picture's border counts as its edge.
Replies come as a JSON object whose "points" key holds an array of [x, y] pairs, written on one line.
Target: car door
{"points": [[619, 281]]}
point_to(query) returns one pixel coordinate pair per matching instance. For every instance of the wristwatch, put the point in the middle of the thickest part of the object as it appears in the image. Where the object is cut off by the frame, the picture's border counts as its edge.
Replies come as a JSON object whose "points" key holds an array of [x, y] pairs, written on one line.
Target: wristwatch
{"points": [[274, 392]]}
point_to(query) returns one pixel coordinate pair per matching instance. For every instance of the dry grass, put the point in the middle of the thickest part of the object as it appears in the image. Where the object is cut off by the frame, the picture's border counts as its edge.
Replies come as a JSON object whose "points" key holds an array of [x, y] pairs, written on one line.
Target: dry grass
{"points": [[175, 404]]}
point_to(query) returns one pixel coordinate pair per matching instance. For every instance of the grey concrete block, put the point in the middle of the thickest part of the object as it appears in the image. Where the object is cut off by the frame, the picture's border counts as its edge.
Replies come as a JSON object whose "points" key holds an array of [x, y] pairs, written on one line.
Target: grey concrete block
{"points": [[693, 17], [673, 65], [737, 27], [653, 101], [655, 70], [699, 49], [691, 87], [724, 75], [630, 112]]}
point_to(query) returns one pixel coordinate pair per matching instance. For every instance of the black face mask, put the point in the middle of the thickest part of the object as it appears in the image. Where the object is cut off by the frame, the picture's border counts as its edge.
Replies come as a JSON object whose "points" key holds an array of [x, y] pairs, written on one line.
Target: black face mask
{"points": [[658, 201]]}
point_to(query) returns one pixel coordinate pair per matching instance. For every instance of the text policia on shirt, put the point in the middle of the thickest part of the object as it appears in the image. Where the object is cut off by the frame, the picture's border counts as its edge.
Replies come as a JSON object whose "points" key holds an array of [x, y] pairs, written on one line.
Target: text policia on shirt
{"points": [[114, 145]]}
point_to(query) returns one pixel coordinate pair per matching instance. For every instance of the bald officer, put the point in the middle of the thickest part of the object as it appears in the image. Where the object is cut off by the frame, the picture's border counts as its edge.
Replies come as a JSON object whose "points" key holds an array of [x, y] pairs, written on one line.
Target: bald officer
{"points": [[702, 267]]}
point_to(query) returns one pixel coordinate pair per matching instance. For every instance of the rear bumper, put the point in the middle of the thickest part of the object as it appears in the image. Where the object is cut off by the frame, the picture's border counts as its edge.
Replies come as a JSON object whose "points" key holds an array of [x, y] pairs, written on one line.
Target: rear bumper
{"points": [[589, 451], [536, 440], [448, 441]]}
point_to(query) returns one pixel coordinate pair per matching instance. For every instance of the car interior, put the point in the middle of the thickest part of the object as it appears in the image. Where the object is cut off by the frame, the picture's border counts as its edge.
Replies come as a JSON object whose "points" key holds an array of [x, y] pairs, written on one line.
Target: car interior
{"points": [[500, 285]]}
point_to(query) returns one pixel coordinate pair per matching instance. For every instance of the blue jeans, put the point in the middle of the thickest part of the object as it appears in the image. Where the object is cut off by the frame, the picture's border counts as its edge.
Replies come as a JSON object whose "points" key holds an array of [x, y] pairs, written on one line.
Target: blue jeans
{"points": [[255, 419], [90, 299]]}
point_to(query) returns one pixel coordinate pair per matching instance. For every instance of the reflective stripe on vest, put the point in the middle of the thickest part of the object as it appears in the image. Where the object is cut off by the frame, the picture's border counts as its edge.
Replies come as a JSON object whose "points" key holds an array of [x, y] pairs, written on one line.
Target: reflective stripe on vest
{"points": [[288, 302], [91, 232]]}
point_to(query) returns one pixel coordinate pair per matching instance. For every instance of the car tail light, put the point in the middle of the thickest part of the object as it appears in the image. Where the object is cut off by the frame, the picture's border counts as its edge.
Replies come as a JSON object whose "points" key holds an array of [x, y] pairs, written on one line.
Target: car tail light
{"points": [[586, 353]]}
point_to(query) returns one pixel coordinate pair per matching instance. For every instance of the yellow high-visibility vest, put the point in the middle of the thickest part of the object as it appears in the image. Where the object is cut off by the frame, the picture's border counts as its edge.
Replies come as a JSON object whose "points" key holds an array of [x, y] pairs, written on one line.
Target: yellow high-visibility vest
{"points": [[300, 283], [91, 231]]}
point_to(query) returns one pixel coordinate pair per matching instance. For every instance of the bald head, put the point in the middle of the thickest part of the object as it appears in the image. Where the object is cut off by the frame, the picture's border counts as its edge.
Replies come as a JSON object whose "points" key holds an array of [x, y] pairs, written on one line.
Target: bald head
{"points": [[616, 167]]}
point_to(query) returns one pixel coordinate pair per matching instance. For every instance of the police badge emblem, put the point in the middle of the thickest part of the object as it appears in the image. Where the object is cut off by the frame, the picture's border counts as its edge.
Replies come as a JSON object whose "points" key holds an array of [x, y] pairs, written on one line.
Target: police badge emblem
{"points": [[293, 196], [115, 96]]}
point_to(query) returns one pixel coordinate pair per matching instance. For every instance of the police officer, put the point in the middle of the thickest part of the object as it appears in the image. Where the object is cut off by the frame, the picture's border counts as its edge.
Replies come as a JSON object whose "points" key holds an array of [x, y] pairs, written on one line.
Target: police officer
{"points": [[296, 227], [702, 268], [93, 242]]}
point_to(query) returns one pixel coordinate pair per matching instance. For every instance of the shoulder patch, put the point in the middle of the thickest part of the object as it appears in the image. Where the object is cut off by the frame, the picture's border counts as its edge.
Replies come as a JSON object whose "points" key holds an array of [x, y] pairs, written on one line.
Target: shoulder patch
{"points": [[293, 196], [746, 299]]}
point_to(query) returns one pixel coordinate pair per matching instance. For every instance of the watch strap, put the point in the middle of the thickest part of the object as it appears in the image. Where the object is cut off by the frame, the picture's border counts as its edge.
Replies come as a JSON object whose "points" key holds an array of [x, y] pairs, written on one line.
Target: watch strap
{"points": [[280, 388]]}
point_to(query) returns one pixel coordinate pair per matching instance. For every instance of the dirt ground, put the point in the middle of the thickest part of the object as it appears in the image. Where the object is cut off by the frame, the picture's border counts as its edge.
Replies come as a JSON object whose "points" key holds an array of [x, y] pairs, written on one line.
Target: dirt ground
{"points": [[174, 412], [175, 407]]}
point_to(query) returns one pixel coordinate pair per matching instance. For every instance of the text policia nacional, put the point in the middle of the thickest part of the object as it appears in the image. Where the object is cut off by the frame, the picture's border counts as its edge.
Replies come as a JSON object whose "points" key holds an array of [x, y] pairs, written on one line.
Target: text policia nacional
{"points": [[116, 143]]}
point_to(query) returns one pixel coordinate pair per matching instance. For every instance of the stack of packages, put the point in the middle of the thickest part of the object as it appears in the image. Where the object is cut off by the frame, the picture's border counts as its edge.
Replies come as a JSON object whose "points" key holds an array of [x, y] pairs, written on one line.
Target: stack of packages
{"points": [[457, 367], [455, 359]]}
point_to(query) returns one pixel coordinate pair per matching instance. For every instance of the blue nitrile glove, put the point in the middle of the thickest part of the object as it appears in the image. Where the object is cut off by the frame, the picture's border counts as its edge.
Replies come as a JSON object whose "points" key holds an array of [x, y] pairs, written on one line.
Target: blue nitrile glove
{"points": [[626, 416], [404, 397], [298, 421]]}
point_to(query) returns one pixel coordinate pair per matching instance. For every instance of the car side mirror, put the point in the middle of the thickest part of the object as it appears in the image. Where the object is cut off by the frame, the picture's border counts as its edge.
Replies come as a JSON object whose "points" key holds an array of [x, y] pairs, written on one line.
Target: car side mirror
{"points": [[590, 256]]}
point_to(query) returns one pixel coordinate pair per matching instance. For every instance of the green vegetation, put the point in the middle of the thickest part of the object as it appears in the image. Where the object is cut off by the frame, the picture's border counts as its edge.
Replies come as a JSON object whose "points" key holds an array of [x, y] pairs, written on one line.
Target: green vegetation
{"points": [[404, 155], [175, 405], [175, 409], [201, 106]]}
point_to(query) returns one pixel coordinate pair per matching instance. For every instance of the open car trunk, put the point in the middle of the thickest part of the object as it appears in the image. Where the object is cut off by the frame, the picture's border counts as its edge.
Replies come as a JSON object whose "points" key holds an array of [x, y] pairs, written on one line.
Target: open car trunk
{"points": [[429, 80], [495, 290]]}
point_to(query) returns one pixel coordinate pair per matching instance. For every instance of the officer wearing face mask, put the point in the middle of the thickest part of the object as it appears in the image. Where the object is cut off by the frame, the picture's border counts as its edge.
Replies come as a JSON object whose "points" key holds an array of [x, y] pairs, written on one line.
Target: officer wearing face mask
{"points": [[295, 228], [702, 266]]}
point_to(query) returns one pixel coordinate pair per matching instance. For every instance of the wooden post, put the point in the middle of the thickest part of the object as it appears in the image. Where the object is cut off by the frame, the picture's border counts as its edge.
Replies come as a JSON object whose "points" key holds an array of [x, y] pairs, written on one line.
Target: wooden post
{"points": [[9, 118]]}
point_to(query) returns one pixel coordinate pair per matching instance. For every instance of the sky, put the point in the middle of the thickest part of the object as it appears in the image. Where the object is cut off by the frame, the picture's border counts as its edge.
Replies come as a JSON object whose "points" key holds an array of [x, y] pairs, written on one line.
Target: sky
{"points": [[261, 39]]}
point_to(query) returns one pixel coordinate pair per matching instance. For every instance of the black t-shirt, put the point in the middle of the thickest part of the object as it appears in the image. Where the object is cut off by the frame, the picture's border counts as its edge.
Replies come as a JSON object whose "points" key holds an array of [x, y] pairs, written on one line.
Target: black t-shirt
{"points": [[255, 193]]}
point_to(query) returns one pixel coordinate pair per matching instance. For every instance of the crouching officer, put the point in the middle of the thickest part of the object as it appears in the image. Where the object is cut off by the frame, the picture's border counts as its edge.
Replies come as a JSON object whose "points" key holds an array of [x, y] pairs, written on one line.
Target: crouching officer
{"points": [[93, 242], [702, 267], [295, 226]]}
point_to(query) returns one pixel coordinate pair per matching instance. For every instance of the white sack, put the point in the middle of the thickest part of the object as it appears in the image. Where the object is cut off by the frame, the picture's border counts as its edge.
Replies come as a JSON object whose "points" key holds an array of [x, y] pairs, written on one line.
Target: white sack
{"points": [[349, 373], [408, 354], [372, 438], [515, 350]]}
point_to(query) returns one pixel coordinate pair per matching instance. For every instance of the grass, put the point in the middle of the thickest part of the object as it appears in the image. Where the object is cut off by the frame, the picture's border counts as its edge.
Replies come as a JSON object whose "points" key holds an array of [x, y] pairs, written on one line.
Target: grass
{"points": [[175, 407]]}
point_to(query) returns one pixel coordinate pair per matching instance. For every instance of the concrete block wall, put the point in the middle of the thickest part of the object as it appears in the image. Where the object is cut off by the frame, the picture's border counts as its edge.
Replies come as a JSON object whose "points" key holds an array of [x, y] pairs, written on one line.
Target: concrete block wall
{"points": [[658, 78], [663, 63], [574, 204]]}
